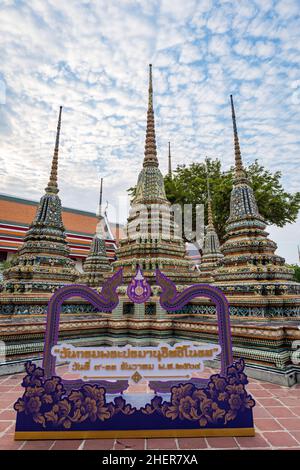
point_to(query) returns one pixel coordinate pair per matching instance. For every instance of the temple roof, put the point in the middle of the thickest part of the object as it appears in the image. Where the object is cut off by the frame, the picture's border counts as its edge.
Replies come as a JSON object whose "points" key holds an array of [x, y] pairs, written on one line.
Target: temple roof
{"points": [[17, 214]]}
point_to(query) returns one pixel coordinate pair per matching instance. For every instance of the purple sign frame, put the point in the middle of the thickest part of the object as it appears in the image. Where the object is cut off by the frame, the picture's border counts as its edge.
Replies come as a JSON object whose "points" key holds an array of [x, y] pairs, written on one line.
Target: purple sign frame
{"points": [[172, 301], [106, 301], [49, 409]]}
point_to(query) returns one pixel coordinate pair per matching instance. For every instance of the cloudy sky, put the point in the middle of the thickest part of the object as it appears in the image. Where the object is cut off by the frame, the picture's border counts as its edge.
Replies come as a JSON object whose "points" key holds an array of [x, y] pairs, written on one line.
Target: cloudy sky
{"points": [[92, 57]]}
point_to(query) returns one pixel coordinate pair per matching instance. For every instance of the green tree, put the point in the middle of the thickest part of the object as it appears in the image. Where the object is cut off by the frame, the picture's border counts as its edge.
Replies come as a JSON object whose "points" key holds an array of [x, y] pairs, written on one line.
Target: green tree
{"points": [[188, 186], [296, 269]]}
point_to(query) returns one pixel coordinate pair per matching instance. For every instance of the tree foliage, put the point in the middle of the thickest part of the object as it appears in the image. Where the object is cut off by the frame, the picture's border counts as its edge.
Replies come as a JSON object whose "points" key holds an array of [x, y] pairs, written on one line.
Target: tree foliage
{"points": [[296, 272], [188, 186]]}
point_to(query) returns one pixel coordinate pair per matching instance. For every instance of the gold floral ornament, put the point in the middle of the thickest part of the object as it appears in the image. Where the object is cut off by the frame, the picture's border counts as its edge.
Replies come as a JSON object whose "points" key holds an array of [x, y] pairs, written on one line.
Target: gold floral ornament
{"points": [[47, 402]]}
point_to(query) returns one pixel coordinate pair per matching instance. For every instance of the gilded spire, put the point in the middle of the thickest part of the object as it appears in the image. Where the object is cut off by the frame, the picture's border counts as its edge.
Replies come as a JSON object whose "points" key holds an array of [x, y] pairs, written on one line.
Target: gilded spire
{"points": [[209, 205], [100, 199], [150, 143], [52, 184], [169, 162], [211, 255], [239, 169]]}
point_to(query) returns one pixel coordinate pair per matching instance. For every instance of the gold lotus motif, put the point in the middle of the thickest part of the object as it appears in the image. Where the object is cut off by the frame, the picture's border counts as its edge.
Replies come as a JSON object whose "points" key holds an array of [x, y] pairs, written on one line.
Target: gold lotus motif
{"points": [[139, 290]]}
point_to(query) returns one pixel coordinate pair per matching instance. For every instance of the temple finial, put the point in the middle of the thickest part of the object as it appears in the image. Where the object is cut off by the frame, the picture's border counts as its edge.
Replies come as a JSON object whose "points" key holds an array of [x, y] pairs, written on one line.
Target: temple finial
{"points": [[239, 169], [150, 95], [169, 162], [209, 204], [150, 143], [100, 199], [52, 184]]}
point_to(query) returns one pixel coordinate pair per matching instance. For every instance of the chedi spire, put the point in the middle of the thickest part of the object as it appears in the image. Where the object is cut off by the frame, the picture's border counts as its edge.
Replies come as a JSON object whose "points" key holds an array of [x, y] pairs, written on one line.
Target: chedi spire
{"points": [[43, 263], [249, 255], [52, 184], [150, 142], [169, 162], [151, 239], [211, 253], [239, 168], [100, 199], [97, 264], [209, 206]]}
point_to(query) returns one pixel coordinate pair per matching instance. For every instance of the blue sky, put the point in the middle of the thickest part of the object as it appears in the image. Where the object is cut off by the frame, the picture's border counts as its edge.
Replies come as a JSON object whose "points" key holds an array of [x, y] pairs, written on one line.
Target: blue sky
{"points": [[92, 58]]}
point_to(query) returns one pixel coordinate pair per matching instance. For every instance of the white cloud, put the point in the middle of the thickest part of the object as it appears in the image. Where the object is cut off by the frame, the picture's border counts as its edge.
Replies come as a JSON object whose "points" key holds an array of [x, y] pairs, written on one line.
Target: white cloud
{"points": [[92, 58], [244, 47], [219, 20], [180, 11], [265, 49], [218, 45], [190, 53], [287, 8]]}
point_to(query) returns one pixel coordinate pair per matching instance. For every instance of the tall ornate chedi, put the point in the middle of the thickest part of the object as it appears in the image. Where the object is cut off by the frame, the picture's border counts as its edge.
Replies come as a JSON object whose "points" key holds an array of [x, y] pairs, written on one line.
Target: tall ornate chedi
{"points": [[97, 263], [169, 162], [152, 239], [211, 254], [248, 252], [43, 262]]}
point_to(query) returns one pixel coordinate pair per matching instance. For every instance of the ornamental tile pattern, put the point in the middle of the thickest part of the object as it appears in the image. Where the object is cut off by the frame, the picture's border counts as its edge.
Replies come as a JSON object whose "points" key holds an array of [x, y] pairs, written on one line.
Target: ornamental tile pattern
{"points": [[96, 263]]}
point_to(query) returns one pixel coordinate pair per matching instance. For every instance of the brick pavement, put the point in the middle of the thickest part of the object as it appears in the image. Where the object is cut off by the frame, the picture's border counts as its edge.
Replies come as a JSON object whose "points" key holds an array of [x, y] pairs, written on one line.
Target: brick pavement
{"points": [[276, 415]]}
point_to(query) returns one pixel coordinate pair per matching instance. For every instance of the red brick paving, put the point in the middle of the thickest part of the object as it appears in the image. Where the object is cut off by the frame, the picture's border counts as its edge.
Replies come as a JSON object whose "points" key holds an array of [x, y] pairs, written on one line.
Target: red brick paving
{"points": [[296, 435], [222, 442], [5, 426], [293, 401], [261, 393], [295, 410], [164, 443], [8, 443], [265, 402], [270, 386], [67, 444], [130, 444], [256, 442], [276, 415], [38, 445], [280, 412], [280, 439], [266, 424], [192, 443], [7, 415], [293, 424], [254, 386], [98, 444], [260, 412]]}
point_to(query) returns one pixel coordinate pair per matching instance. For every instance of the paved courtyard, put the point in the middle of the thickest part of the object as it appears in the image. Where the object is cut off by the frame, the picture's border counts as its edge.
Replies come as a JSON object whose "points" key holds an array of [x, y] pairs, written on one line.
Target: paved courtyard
{"points": [[276, 415]]}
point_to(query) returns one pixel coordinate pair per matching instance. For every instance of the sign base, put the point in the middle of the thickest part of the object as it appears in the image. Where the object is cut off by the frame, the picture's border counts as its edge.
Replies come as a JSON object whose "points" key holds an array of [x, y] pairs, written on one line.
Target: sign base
{"points": [[159, 433], [47, 411]]}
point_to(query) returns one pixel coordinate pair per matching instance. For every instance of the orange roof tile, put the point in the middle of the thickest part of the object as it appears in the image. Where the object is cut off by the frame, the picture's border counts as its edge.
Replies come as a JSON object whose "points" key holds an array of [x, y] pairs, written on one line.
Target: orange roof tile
{"points": [[22, 211]]}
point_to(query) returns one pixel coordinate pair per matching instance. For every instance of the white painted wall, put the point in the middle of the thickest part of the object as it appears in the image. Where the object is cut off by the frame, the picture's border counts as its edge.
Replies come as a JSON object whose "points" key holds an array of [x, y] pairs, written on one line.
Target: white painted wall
{"points": [[78, 265]]}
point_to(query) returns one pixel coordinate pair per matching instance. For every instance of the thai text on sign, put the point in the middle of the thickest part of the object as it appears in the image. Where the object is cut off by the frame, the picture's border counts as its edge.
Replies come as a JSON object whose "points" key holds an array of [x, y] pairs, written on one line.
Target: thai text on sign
{"points": [[163, 362]]}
